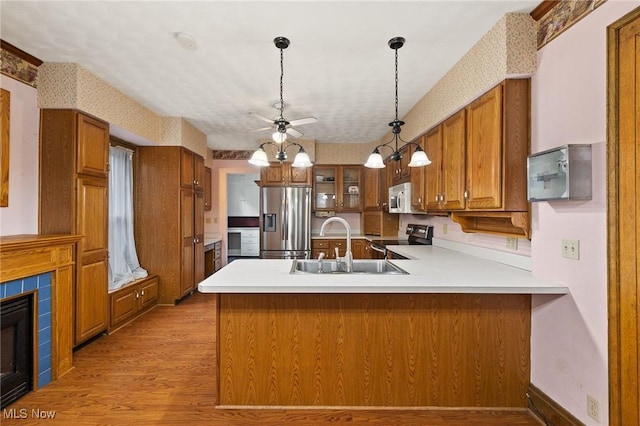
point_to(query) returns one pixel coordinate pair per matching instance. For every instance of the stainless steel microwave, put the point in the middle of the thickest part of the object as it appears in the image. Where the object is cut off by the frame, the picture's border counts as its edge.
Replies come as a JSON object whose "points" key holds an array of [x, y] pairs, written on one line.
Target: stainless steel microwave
{"points": [[400, 198]]}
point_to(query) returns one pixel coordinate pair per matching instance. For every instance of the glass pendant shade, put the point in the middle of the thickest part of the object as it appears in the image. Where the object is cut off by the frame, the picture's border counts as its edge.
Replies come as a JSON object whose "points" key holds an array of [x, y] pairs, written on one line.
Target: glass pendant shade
{"points": [[259, 158], [279, 137], [419, 159], [302, 160], [375, 161]]}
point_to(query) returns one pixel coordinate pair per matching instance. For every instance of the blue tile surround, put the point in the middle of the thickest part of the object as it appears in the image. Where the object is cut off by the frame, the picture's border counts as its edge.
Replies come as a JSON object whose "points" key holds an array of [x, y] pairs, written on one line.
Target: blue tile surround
{"points": [[42, 283]]}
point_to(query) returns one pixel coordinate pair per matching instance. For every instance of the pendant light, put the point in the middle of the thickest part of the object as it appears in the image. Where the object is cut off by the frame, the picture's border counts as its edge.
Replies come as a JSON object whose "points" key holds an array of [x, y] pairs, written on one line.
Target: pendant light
{"points": [[419, 157], [259, 157]]}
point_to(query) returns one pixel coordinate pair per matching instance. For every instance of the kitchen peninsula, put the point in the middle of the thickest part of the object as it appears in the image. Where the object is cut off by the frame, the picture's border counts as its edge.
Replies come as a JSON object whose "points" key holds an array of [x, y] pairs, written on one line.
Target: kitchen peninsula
{"points": [[454, 332]]}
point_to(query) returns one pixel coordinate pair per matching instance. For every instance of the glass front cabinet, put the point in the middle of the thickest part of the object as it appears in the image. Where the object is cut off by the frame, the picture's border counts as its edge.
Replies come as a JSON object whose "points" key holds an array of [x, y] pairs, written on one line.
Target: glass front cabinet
{"points": [[337, 188]]}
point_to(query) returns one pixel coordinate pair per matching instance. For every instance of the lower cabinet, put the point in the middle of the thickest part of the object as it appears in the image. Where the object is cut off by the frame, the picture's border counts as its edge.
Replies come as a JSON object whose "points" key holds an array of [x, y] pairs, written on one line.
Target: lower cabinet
{"points": [[329, 246], [132, 300], [212, 258]]}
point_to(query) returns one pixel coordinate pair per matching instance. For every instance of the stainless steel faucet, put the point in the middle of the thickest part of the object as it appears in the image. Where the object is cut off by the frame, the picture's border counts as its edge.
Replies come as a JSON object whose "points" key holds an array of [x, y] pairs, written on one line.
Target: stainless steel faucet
{"points": [[348, 257]]}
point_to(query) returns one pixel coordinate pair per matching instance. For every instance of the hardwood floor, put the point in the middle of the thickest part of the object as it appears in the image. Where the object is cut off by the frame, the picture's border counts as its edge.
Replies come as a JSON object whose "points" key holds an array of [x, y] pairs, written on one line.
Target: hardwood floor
{"points": [[160, 370]]}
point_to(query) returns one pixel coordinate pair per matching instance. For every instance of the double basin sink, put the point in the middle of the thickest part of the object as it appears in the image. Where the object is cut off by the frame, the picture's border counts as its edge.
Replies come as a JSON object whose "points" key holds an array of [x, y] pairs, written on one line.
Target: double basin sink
{"points": [[360, 266]]}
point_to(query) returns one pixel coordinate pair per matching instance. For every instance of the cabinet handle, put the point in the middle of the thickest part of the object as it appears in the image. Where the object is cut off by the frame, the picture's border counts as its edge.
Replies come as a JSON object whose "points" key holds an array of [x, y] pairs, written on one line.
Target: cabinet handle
{"points": [[442, 197], [143, 292], [466, 194], [137, 295]]}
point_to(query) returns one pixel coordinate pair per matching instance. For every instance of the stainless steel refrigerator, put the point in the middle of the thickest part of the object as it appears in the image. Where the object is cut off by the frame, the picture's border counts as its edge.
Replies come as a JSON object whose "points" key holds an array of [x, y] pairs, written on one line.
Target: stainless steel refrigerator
{"points": [[285, 223]]}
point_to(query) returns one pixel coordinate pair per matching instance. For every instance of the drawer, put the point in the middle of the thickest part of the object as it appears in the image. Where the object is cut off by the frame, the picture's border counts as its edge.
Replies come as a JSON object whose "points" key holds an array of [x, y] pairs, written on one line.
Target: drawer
{"points": [[320, 244]]}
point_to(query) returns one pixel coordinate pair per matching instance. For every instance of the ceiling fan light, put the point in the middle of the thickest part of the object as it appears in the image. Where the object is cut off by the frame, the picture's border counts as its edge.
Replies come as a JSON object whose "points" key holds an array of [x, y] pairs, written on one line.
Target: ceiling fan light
{"points": [[419, 159], [302, 160], [259, 158], [375, 161], [279, 137]]}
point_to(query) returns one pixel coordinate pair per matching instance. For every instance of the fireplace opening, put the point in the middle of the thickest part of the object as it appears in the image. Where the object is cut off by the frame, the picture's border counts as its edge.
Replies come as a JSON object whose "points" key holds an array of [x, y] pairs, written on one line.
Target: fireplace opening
{"points": [[16, 343]]}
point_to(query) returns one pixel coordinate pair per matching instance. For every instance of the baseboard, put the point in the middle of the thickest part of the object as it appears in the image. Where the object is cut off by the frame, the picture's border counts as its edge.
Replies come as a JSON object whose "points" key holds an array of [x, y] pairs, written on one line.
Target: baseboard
{"points": [[548, 410]]}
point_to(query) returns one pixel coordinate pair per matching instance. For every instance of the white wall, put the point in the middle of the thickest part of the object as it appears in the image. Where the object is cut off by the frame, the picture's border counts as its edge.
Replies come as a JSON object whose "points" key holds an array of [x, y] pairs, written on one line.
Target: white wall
{"points": [[569, 333], [21, 216]]}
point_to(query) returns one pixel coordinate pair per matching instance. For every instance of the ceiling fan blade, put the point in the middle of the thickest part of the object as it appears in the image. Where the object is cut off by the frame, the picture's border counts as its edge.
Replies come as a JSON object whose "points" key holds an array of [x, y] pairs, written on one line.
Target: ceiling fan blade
{"points": [[301, 121], [261, 129], [294, 132], [263, 118]]}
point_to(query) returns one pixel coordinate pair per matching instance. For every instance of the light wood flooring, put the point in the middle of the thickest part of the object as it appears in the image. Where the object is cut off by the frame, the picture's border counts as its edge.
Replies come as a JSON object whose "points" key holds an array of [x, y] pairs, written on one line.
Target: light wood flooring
{"points": [[160, 370]]}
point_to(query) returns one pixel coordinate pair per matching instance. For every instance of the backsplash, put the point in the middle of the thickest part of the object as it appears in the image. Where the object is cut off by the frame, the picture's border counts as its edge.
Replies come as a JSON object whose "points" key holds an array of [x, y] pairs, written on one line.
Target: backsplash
{"points": [[454, 233]]}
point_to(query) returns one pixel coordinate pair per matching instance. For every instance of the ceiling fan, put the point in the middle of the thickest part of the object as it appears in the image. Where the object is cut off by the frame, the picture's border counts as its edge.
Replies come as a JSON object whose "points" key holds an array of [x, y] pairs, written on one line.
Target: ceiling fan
{"points": [[281, 125]]}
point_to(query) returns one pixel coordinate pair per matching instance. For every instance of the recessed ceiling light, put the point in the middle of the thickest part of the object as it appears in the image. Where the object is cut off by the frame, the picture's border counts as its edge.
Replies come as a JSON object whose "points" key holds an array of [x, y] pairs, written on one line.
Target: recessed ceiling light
{"points": [[187, 41]]}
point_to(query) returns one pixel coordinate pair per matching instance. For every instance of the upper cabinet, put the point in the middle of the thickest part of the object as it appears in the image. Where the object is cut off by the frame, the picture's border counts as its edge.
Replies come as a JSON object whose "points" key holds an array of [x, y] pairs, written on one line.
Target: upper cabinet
{"points": [[417, 179], [93, 158], [497, 147], [338, 188], [192, 173], [283, 174], [374, 189], [401, 169], [497, 144]]}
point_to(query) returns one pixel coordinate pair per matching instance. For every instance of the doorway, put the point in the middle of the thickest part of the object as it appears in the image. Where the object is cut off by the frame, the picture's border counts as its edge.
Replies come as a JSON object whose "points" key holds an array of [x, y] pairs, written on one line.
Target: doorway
{"points": [[623, 216]]}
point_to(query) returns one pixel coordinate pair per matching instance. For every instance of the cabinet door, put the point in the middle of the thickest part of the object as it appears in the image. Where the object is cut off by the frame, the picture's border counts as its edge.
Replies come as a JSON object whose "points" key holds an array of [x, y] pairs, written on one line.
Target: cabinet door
{"points": [[453, 162], [273, 175], [418, 201], [207, 189], [187, 167], [124, 305], [484, 151], [92, 300], [148, 293], [92, 216], [350, 186], [93, 147], [433, 172], [325, 187], [198, 261], [357, 249], [340, 244], [371, 189], [299, 176], [198, 172], [188, 241]]}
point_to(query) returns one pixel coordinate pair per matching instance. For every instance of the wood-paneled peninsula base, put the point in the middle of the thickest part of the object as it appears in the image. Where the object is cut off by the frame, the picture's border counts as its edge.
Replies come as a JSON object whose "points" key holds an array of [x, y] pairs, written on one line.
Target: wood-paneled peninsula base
{"points": [[375, 350]]}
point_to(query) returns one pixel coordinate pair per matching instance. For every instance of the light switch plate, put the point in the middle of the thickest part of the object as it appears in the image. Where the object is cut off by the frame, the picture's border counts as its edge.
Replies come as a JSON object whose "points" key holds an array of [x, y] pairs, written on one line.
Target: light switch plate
{"points": [[571, 249]]}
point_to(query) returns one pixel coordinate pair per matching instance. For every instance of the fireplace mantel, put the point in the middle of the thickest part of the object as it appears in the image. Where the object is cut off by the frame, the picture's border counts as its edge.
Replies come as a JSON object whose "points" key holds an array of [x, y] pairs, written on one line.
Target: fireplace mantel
{"points": [[23, 256]]}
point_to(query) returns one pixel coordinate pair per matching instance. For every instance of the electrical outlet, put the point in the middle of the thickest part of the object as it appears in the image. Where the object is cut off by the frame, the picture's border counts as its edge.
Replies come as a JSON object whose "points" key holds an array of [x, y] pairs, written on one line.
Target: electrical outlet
{"points": [[571, 249], [215, 220], [207, 220], [512, 243], [593, 408], [445, 228]]}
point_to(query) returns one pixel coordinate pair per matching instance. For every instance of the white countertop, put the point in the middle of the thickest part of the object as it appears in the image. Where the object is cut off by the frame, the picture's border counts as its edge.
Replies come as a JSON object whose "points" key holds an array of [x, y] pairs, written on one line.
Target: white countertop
{"points": [[433, 270]]}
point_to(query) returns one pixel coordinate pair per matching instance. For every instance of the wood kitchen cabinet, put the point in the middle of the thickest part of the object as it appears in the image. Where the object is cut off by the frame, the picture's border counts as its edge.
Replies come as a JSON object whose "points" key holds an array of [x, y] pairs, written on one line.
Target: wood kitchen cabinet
{"points": [[207, 189], [445, 147], [417, 179], [497, 144], [497, 147], [328, 246], [376, 219], [74, 182], [132, 300], [337, 188], [401, 170], [169, 218], [283, 174]]}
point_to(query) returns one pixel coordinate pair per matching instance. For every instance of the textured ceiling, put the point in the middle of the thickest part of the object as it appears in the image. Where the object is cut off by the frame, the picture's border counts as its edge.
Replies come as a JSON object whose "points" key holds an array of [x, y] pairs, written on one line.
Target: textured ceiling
{"points": [[338, 67]]}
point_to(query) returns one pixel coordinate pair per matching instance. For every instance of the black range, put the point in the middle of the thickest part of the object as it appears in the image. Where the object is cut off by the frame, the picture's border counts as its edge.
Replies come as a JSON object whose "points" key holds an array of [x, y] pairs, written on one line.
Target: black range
{"points": [[418, 235]]}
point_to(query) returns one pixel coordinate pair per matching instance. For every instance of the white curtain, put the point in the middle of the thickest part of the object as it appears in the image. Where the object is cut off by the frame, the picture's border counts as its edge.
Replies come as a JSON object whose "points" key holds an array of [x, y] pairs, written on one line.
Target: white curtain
{"points": [[124, 266]]}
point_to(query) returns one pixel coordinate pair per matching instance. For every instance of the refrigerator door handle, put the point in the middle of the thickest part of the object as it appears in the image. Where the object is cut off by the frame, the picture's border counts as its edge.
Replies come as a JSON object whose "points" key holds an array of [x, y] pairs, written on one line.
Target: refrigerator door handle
{"points": [[285, 219]]}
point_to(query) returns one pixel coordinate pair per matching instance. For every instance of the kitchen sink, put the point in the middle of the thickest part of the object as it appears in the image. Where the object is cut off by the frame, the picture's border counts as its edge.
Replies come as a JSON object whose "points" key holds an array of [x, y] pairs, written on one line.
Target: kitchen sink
{"points": [[360, 266]]}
